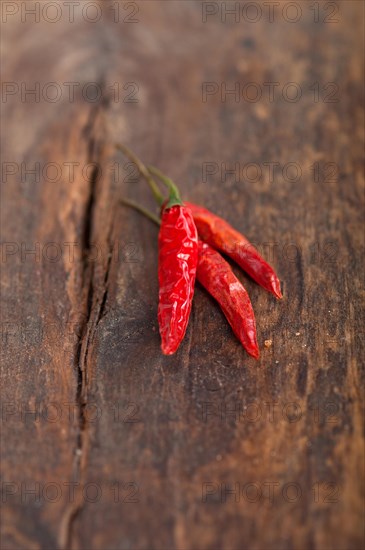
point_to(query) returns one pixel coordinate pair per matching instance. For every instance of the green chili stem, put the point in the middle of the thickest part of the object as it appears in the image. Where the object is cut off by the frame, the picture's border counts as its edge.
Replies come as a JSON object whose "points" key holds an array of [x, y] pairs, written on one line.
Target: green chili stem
{"points": [[141, 210], [143, 171], [173, 189]]}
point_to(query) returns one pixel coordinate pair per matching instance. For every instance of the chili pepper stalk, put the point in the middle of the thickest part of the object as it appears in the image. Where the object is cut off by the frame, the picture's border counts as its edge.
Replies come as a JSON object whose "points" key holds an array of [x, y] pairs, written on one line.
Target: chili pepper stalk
{"points": [[142, 169]]}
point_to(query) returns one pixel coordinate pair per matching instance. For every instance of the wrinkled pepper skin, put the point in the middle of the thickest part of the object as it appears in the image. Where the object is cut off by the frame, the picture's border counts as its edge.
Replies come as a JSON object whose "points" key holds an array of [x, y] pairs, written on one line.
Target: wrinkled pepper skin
{"points": [[217, 277], [177, 264], [221, 236]]}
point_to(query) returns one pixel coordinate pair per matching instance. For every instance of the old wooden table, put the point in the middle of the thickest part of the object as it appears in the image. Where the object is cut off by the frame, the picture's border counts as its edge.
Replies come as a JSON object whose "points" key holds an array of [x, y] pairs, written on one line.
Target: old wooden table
{"points": [[106, 444]]}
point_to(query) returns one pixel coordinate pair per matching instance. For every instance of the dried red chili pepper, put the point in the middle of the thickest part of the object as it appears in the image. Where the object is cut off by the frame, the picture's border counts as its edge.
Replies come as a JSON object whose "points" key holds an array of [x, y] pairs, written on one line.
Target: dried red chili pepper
{"points": [[221, 235], [217, 277], [177, 262]]}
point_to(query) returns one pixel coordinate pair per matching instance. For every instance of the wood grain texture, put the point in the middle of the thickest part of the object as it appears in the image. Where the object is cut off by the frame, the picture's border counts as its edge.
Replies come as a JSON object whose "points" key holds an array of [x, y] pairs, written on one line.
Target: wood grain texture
{"points": [[153, 445]]}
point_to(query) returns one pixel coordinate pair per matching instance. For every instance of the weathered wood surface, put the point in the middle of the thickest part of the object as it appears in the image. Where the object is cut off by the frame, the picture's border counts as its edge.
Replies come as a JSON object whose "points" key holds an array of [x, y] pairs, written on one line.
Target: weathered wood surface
{"points": [[146, 436]]}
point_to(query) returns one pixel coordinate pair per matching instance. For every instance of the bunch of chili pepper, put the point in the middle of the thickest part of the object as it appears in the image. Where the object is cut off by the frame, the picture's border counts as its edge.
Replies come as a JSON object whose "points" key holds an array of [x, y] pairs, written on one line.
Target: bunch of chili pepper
{"points": [[190, 240]]}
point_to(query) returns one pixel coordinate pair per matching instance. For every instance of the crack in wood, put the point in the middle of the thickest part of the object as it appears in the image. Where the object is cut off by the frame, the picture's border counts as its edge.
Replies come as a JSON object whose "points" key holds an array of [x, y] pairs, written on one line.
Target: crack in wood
{"points": [[96, 297]]}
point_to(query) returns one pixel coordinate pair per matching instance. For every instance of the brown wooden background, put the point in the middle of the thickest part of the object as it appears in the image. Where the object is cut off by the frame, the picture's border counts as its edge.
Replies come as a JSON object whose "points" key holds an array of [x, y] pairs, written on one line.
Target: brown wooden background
{"points": [[87, 396]]}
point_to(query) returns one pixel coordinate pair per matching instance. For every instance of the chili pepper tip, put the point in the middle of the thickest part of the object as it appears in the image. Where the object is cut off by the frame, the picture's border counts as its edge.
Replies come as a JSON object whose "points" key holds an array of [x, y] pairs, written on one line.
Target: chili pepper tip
{"points": [[276, 290], [275, 286], [168, 350]]}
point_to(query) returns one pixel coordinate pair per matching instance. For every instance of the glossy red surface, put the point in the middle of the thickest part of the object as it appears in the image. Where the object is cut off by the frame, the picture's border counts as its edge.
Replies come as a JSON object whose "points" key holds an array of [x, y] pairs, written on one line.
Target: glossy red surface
{"points": [[177, 263], [220, 235], [217, 277]]}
